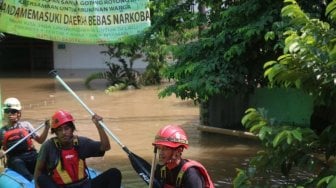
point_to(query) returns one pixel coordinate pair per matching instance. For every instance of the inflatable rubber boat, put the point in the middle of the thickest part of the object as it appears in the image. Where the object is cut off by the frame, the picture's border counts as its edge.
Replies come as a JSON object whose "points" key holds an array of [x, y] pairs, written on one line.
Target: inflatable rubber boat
{"points": [[12, 179]]}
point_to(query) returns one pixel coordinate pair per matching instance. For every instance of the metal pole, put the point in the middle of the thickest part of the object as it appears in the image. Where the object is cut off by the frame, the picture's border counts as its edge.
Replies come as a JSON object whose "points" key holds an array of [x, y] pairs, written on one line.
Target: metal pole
{"points": [[151, 180], [86, 107], [23, 139]]}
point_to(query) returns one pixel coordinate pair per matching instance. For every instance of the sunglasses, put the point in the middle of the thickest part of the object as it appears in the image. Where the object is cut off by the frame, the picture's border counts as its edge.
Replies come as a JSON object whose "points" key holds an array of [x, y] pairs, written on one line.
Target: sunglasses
{"points": [[10, 111]]}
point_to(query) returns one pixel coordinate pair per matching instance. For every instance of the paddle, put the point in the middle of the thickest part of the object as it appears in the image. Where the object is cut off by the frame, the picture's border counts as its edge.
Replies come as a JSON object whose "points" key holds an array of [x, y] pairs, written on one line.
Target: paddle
{"points": [[151, 181], [23, 139], [141, 166]]}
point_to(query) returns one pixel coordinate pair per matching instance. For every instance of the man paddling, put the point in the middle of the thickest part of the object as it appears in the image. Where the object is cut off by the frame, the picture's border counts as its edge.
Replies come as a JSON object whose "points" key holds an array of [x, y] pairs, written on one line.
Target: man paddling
{"points": [[22, 158], [172, 170], [61, 160]]}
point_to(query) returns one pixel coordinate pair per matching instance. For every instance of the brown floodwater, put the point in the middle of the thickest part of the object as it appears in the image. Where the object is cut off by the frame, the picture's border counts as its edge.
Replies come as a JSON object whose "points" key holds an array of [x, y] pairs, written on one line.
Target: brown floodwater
{"points": [[134, 116]]}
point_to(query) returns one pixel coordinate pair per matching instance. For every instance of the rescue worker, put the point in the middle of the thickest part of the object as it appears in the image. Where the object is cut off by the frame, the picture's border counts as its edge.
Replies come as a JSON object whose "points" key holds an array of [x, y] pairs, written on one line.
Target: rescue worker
{"points": [[61, 160], [22, 158], [172, 170]]}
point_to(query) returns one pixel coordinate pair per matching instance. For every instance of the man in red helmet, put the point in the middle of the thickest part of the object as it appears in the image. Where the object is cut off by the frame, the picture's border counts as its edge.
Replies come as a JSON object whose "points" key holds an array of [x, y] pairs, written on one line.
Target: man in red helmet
{"points": [[61, 160], [22, 157], [172, 170]]}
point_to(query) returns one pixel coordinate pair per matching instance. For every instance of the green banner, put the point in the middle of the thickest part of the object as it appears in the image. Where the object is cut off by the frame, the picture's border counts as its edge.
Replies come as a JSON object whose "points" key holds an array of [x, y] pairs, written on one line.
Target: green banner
{"points": [[74, 21]]}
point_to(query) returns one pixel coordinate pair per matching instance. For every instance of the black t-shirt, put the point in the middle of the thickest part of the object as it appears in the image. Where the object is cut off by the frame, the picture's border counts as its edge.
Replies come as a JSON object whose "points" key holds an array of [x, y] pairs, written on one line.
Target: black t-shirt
{"points": [[86, 148]]}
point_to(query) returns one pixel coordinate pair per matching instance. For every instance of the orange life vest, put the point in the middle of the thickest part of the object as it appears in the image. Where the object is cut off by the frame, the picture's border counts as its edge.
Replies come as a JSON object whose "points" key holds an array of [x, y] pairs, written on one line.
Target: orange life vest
{"points": [[189, 163], [70, 168], [12, 136]]}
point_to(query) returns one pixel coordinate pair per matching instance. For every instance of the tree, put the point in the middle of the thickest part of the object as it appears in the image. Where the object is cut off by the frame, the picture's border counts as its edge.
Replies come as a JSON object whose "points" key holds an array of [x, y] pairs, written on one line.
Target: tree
{"points": [[308, 63], [227, 57]]}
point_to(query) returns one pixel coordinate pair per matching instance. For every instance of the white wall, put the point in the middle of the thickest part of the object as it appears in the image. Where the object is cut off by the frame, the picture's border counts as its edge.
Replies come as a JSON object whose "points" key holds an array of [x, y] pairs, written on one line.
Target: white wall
{"points": [[79, 56], [76, 56]]}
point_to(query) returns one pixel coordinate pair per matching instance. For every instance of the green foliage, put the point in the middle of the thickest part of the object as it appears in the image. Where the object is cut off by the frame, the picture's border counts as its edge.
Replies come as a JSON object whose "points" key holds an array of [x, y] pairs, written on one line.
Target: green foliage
{"points": [[331, 11], [172, 23], [154, 48], [115, 87], [328, 140], [284, 147], [309, 60], [116, 76], [227, 57], [328, 182], [130, 49], [121, 74], [242, 179], [308, 63]]}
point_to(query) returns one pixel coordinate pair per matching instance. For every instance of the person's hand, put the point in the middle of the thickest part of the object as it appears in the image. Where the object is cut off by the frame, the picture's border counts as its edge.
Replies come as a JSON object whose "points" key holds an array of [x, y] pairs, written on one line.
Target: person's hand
{"points": [[47, 123], [2, 154], [96, 118]]}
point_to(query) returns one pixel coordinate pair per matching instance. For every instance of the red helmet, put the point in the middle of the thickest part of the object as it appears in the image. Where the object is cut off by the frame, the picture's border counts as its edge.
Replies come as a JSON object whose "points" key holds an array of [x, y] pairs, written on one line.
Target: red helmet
{"points": [[171, 136], [60, 117]]}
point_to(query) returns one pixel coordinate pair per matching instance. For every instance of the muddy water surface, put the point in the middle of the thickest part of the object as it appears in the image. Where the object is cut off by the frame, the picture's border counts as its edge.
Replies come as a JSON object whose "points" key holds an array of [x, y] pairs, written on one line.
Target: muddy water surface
{"points": [[134, 116]]}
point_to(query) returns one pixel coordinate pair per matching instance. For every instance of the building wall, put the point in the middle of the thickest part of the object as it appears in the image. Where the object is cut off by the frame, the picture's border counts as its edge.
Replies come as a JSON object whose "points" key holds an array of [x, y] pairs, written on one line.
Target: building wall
{"points": [[79, 56], [280, 105]]}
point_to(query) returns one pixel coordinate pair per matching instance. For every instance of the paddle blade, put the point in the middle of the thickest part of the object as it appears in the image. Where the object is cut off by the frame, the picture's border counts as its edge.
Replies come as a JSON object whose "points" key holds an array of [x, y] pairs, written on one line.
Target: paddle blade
{"points": [[143, 168]]}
